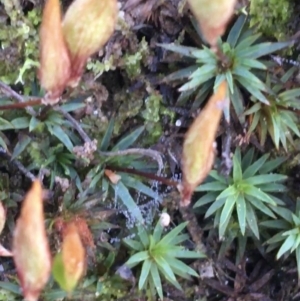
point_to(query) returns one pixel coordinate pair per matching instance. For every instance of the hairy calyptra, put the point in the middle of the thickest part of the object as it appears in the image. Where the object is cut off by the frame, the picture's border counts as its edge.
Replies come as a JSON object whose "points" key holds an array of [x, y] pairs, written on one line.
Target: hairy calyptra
{"points": [[66, 44], [198, 147], [31, 250], [55, 63], [87, 26], [212, 16]]}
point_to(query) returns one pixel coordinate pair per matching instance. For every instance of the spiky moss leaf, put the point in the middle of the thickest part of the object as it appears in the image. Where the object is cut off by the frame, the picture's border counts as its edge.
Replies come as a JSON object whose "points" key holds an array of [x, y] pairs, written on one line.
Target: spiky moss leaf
{"points": [[206, 199], [21, 146], [60, 134], [129, 139], [156, 280], [124, 195], [137, 258], [108, 135], [287, 245], [241, 212], [298, 261], [134, 245], [144, 273], [167, 239], [226, 214]]}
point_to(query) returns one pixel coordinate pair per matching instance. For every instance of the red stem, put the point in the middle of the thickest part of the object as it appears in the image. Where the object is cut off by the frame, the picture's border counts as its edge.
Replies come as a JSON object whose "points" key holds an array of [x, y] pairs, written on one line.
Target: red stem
{"points": [[145, 175], [21, 105]]}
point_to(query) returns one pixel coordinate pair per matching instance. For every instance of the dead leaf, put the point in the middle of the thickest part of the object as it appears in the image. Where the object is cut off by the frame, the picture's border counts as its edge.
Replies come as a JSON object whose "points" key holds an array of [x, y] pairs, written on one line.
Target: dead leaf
{"points": [[212, 16], [198, 147], [113, 177], [30, 245]]}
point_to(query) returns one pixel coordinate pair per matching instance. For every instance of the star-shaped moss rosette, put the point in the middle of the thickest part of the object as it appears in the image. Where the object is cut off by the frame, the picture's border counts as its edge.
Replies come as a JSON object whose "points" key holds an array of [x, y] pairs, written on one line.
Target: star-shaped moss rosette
{"points": [[279, 118], [239, 69], [250, 189], [159, 255]]}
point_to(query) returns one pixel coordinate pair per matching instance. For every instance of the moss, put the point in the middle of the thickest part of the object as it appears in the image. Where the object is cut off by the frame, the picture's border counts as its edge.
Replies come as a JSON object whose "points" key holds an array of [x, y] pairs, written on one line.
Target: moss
{"points": [[95, 126], [112, 288], [130, 62], [133, 62], [272, 17], [131, 104], [98, 68], [152, 114], [35, 153], [19, 42], [154, 131]]}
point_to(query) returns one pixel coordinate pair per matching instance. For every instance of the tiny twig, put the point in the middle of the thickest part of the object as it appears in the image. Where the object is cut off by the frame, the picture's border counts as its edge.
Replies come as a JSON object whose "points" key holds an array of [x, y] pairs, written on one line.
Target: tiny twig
{"points": [[21, 105], [75, 124], [226, 163], [11, 93], [193, 227], [19, 165], [155, 155]]}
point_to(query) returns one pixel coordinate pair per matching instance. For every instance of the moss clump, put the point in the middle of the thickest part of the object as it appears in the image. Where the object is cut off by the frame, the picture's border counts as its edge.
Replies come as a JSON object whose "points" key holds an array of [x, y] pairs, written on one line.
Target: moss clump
{"points": [[133, 62], [96, 125], [112, 289], [131, 104], [152, 114], [98, 68], [272, 17], [19, 46]]}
